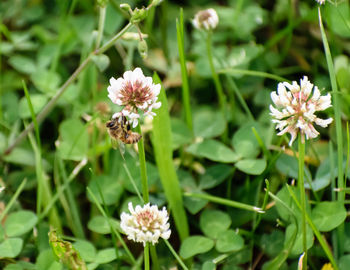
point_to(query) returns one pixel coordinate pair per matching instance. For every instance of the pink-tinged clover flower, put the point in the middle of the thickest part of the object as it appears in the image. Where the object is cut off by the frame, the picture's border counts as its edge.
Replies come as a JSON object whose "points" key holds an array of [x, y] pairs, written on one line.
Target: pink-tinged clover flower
{"points": [[145, 224], [136, 93], [206, 19], [296, 107]]}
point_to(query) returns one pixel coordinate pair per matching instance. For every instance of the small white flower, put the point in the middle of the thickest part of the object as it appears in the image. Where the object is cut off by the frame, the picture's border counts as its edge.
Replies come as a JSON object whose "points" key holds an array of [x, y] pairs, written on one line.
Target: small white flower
{"points": [[206, 19], [135, 93], [321, 2], [145, 224], [296, 108]]}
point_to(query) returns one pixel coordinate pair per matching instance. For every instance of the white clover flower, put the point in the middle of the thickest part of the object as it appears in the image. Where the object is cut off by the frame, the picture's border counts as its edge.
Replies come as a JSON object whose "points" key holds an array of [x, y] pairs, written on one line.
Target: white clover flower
{"points": [[296, 108], [145, 224], [136, 93], [206, 19]]}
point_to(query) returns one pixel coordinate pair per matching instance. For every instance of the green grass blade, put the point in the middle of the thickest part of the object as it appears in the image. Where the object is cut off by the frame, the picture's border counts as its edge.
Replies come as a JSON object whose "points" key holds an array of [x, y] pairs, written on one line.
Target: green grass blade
{"points": [[338, 125], [226, 202], [182, 58], [162, 141], [254, 73]]}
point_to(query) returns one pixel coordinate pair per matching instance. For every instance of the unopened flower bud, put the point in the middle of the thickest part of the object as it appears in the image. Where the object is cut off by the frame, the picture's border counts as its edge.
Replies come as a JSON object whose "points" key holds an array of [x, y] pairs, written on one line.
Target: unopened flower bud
{"points": [[206, 19], [143, 49], [126, 7], [138, 15]]}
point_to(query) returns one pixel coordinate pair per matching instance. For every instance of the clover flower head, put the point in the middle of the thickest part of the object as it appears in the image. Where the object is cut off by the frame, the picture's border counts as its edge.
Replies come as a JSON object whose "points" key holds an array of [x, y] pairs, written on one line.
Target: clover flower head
{"points": [[296, 107], [145, 224], [206, 19], [136, 93]]}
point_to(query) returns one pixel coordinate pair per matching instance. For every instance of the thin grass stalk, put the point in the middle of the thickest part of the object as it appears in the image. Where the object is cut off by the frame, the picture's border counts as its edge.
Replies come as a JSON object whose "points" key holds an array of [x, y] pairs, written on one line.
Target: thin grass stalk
{"points": [[218, 85], [319, 236], [184, 77], [253, 73], [52, 103], [101, 24], [162, 142], [301, 149], [226, 202], [177, 257], [117, 234], [338, 126], [13, 199], [143, 170], [74, 212]]}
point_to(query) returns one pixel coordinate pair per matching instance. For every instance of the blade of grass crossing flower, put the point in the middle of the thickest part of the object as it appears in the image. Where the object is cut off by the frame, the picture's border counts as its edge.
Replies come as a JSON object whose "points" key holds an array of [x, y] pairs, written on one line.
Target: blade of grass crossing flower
{"points": [[185, 85], [13, 199], [117, 234], [278, 261], [227, 202], [317, 233], [338, 126], [162, 142]]}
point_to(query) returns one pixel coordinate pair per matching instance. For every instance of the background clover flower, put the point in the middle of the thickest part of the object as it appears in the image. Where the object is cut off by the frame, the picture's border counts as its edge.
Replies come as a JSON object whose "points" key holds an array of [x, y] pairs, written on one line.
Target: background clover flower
{"points": [[145, 224], [296, 107], [136, 93], [206, 19]]}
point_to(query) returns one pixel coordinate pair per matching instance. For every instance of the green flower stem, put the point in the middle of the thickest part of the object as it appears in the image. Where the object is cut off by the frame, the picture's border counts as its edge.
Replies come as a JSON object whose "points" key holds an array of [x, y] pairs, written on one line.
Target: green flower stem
{"points": [[154, 257], [146, 257], [143, 170], [218, 86], [177, 257], [224, 201], [301, 149], [52, 103], [338, 126]]}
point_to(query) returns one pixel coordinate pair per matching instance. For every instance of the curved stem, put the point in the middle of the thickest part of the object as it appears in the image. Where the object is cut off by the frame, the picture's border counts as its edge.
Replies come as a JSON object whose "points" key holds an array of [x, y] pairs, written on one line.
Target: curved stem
{"points": [[101, 24], [301, 149]]}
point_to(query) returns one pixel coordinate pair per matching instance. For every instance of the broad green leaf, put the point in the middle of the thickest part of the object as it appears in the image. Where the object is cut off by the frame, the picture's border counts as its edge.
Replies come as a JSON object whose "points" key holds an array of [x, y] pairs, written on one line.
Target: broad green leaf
{"points": [[19, 223], [101, 61], [272, 243], [328, 215], [38, 102], [213, 150], [46, 81], [86, 250], [13, 267], [245, 143], [11, 247], [73, 140], [180, 133], [111, 189], [215, 175], [46, 261], [288, 165], [337, 17], [208, 123], [100, 224], [194, 245], [251, 166], [214, 222], [22, 64], [105, 256], [208, 265], [229, 241]]}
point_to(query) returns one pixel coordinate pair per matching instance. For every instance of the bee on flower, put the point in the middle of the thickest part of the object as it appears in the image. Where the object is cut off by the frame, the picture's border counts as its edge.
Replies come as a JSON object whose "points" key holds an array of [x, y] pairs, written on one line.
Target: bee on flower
{"points": [[136, 93], [145, 224], [296, 107], [206, 19]]}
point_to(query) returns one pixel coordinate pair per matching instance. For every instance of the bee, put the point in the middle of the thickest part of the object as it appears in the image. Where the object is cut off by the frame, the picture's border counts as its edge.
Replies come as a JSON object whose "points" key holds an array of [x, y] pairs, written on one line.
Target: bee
{"points": [[121, 131]]}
